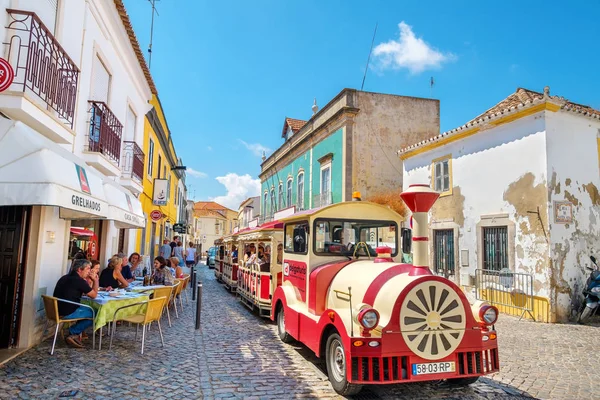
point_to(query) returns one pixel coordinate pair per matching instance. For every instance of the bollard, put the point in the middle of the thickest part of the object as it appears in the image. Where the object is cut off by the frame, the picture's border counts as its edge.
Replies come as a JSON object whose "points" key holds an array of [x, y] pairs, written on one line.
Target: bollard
{"points": [[198, 306], [194, 278]]}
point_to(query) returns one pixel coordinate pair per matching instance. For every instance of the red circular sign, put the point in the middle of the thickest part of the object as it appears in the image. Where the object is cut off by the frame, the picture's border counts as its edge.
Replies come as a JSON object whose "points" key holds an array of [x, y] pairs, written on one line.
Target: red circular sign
{"points": [[156, 215], [7, 75]]}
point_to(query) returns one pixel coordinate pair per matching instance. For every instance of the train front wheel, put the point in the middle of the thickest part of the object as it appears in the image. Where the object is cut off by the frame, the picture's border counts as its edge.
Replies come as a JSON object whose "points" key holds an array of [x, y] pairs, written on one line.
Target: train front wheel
{"points": [[336, 367], [283, 335]]}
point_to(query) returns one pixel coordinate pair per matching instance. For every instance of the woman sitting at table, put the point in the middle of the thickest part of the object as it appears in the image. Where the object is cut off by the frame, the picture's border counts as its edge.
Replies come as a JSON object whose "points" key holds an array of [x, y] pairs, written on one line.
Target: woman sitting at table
{"points": [[162, 274], [111, 276], [94, 272], [175, 267]]}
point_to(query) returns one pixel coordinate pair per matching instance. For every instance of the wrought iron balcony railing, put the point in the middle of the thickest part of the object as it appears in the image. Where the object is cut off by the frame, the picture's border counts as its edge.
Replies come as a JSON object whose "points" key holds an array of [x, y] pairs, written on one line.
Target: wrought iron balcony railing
{"points": [[133, 161], [322, 199], [42, 67], [105, 132]]}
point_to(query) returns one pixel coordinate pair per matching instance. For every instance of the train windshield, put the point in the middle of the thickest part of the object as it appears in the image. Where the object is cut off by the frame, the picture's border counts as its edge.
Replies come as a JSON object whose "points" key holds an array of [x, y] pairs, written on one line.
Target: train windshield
{"points": [[354, 237]]}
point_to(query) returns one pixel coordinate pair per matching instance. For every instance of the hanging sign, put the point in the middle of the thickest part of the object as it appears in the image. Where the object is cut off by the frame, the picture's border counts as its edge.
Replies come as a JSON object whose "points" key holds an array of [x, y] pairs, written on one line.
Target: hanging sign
{"points": [[159, 197], [7, 75]]}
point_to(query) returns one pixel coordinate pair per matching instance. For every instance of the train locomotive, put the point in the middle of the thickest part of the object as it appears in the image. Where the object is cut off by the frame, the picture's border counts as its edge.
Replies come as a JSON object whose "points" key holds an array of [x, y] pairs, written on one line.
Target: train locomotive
{"points": [[375, 320]]}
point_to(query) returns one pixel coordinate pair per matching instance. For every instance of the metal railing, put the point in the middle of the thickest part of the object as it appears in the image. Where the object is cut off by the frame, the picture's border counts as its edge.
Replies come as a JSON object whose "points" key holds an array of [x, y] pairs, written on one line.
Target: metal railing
{"points": [[105, 131], [506, 289], [133, 161], [322, 199], [41, 65]]}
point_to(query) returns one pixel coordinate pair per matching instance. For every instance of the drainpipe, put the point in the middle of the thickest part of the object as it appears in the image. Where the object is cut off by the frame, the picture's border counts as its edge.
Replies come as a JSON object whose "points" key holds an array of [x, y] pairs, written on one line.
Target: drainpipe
{"points": [[419, 199], [79, 85]]}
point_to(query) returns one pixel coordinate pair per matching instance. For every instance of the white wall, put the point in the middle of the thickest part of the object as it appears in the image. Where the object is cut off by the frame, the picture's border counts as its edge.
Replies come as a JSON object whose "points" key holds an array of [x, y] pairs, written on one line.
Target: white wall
{"points": [[574, 176], [484, 166]]}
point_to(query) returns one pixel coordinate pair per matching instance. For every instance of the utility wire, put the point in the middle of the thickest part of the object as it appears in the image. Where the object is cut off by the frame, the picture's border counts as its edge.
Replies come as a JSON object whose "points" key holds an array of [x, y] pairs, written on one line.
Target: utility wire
{"points": [[368, 59]]}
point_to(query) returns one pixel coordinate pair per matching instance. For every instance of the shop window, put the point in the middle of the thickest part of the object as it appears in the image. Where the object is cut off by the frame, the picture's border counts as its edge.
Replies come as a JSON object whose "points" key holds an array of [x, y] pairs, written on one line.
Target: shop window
{"points": [[85, 239]]}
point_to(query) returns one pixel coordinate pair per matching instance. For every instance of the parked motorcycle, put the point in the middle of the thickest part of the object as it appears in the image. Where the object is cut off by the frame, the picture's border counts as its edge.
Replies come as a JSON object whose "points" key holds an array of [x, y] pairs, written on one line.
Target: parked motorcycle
{"points": [[591, 292]]}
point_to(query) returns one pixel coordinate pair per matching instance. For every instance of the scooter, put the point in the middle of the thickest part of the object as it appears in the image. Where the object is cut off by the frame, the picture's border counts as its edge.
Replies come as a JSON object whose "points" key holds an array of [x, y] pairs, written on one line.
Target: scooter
{"points": [[591, 293]]}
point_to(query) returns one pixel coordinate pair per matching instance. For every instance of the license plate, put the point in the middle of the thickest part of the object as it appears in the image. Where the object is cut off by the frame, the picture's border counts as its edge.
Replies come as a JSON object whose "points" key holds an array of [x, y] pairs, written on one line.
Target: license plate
{"points": [[433, 368]]}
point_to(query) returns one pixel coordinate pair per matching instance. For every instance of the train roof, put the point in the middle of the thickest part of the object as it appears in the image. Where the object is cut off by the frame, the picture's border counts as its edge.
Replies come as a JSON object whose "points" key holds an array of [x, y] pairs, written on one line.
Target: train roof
{"points": [[347, 209]]}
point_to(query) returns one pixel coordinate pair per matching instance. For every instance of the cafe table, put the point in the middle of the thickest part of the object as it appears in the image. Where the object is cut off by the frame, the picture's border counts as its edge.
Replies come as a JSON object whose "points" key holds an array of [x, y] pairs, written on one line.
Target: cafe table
{"points": [[106, 305]]}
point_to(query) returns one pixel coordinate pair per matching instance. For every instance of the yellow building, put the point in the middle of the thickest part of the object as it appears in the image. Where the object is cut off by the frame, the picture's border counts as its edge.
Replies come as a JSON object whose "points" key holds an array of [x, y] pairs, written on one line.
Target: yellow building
{"points": [[161, 177]]}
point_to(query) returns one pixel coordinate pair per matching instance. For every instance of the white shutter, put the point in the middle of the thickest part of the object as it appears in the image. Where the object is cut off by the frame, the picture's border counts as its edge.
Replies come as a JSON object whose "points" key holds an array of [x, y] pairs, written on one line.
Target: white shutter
{"points": [[100, 81], [46, 10], [130, 125]]}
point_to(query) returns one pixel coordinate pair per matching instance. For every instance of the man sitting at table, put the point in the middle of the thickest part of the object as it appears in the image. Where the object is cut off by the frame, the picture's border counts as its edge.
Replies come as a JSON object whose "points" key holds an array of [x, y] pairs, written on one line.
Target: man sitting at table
{"points": [[71, 287]]}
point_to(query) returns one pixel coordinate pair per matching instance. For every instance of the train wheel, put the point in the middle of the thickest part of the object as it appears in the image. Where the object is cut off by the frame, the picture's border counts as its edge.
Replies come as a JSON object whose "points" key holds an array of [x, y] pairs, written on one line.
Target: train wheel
{"points": [[336, 367], [283, 335], [462, 381]]}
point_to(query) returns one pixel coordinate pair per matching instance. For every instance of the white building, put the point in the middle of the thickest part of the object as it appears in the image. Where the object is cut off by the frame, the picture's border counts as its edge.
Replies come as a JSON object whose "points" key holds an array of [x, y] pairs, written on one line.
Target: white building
{"points": [[519, 190], [249, 210], [71, 134]]}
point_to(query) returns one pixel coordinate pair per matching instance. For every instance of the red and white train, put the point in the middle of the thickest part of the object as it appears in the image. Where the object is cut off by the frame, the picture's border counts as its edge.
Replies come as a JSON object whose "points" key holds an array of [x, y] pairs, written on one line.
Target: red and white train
{"points": [[328, 277]]}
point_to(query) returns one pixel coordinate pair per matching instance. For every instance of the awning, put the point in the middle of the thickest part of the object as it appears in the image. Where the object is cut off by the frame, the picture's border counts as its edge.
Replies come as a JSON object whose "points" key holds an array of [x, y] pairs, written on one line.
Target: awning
{"points": [[36, 171], [81, 232], [123, 207]]}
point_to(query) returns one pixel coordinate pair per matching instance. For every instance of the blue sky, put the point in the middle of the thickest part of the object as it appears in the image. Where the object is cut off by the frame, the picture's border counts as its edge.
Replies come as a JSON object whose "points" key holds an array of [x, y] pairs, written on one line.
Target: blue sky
{"points": [[229, 72]]}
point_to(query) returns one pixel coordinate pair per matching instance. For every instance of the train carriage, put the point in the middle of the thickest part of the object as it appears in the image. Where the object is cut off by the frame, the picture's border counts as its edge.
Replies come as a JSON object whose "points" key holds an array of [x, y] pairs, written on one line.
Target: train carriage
{"points": [[260, 265], [230, 264], [374, 320], [219, 259]]}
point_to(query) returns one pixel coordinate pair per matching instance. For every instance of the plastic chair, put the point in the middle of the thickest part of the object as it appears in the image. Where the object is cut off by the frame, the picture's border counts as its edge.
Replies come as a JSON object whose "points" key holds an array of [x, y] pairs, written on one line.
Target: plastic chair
{"points": [[186, 281], [177, 292], [153, 313], [51, 307], [166, 292]]}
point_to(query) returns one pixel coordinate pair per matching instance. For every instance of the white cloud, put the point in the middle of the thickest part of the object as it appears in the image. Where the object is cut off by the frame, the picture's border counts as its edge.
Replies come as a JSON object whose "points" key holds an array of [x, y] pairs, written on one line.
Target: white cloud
{"points": [[410, 52], [256, 148], [196, 174], [239, 188]]}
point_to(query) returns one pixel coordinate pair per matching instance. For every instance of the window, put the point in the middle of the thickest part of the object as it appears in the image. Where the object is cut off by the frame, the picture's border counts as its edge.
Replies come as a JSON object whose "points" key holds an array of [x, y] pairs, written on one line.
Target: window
{"points": [[100, 81], [47, 11], [159, 165], [150, 157], [169, 188], [300, 190], [443, 251], [296, 237], [265, 205], [338, 237], [289, 193], [495, 248], [273, 204], [325, 195], [442, 175], [130, 125], [280, 197]]}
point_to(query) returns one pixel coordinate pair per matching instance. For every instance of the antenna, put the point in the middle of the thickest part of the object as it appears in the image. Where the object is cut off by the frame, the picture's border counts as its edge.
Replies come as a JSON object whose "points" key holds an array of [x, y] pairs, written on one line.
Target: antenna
{"points": [[154, 11], [369, 59], [431, 83]]}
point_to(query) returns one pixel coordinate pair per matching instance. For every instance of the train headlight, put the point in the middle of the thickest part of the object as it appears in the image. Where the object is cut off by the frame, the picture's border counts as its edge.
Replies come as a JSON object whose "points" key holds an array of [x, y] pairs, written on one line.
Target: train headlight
{"points": [[368, 318], [488, 315]]}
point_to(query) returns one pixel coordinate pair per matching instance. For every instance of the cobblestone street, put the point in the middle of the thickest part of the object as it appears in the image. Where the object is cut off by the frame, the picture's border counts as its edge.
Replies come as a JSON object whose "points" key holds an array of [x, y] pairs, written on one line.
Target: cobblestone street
{"points": [[237, 355]]}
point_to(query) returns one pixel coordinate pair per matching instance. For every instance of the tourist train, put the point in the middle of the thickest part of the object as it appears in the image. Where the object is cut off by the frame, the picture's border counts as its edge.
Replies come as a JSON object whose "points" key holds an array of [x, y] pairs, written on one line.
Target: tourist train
{"points": [[329, 279]]}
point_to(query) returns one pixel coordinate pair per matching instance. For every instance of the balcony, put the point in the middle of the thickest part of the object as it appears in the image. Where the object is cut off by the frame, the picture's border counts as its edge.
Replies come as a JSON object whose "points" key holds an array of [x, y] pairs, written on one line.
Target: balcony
{"points": [[132, 171], [104, 139], [322, 200], [44, 91]]}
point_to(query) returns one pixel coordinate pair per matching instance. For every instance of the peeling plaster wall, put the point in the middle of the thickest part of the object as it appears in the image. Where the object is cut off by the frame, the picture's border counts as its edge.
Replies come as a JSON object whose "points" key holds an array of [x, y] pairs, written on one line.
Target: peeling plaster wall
{"points": [[384, 124], [574, 177], [498, 172]]}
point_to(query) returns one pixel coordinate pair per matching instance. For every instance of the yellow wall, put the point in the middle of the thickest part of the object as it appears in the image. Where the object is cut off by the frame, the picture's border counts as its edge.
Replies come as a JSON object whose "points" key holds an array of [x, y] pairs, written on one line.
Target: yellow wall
{"points": [[170, 210]]}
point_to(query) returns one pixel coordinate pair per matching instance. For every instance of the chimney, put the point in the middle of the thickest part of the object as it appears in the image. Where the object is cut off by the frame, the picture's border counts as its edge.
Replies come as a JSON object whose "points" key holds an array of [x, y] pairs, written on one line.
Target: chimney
{"points": [[419, 199], [315, 107]]}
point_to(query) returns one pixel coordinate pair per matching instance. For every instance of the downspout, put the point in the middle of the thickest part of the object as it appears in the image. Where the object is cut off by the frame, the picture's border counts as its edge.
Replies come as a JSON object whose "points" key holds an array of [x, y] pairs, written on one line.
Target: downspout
{"points": [[79, 80]]}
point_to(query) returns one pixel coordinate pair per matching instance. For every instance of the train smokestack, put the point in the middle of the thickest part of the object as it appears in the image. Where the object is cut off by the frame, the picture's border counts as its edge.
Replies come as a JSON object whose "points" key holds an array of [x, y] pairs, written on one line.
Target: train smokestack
{"points": [[419, 199]]}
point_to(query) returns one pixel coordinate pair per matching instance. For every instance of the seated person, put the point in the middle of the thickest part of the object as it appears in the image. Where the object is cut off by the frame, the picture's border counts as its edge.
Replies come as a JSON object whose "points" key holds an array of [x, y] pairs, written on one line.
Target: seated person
{"points": [[162, 274], [111, 276], [94, 274], [126, 268], [71, 287], [176, 270]]}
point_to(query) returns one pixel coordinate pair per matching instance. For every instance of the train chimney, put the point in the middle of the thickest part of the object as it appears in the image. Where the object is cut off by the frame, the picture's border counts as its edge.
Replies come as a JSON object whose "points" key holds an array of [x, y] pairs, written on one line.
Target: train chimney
{"points": [[419, 199]]}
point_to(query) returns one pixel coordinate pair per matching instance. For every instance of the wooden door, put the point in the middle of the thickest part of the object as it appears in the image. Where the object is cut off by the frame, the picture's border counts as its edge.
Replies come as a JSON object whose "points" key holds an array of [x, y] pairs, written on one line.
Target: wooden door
{"points": [[12, 249]]}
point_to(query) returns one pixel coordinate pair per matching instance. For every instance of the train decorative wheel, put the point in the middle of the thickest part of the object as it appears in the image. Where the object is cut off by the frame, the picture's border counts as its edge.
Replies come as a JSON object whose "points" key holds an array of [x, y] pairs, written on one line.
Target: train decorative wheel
{"points": [[432, 320]]}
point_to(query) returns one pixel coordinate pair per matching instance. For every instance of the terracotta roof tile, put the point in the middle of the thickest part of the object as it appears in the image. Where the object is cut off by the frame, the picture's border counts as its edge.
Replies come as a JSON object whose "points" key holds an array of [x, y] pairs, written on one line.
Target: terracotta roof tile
{"points": [[295, 124], [209, 205], [516, 101], [135, 44]]}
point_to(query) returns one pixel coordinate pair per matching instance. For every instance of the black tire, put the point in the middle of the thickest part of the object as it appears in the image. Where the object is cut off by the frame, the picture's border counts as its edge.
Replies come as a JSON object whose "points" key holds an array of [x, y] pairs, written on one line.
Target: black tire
{"points": [[585, 315], [336, 367], [283, 335], [462, 381]]}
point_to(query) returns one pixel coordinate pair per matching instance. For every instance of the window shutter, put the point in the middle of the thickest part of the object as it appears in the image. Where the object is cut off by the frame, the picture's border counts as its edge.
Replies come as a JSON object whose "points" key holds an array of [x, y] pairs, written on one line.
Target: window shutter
{"points": [[46, 10], [130, 125], [100, 81]]}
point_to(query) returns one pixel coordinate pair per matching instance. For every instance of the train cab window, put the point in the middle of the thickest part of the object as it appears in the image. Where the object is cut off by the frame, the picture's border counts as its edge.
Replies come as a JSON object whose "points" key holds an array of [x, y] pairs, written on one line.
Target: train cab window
{"points": [[279, 253], [296, 237], [353, 237]]}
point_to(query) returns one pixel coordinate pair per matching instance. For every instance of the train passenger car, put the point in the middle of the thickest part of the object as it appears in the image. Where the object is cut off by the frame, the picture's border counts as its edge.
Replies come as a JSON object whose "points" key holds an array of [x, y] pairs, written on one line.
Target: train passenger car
{"points": [[374, 320], [230, 263], [218, 259], [260, 268]]}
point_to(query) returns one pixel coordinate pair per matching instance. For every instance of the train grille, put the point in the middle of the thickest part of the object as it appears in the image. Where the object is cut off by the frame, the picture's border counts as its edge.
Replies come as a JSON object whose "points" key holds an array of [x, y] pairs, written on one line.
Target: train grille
{"points": [[478, 362], [379, 369]]}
